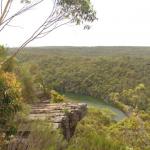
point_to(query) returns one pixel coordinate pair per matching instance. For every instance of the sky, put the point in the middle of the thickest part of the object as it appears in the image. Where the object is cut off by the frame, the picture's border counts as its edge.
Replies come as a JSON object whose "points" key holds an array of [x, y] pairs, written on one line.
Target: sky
{"points": [[120, 23]]}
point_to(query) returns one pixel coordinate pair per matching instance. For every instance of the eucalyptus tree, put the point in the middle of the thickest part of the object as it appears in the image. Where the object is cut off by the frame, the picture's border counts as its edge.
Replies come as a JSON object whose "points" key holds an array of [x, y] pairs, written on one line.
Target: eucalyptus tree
{"points": [[62, 13]]}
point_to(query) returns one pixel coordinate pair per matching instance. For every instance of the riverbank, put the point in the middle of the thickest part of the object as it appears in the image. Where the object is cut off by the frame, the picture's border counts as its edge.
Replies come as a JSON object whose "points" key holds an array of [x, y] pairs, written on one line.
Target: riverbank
{"points": [[97, 103]]}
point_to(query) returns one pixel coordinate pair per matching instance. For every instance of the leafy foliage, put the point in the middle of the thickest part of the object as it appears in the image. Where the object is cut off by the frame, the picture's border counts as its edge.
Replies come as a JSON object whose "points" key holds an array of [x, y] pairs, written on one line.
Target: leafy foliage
{"points": [[2, 52], [137, 98], [78, 10], [91, 133], [11, 100], [10, 97], [123, 80], [56, 97], [88, 73], [41, 137], [26, 80], [132, 132]]}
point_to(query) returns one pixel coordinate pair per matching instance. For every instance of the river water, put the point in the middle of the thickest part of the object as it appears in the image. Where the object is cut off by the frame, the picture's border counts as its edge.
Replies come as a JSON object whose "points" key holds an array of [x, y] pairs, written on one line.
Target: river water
{"points": [[93, 102]]}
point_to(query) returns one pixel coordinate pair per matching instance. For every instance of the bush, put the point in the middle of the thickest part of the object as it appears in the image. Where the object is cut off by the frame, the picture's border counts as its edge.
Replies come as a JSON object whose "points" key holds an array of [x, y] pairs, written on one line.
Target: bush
{"points": [[91, 133], [2, 52], [41, 137], [133, 132], [26, 79], [56, 97], [10, 97]]}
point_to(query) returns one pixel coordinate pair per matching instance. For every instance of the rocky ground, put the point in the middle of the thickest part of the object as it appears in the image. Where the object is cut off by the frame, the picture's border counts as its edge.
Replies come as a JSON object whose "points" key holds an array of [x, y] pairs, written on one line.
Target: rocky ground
{"points": [[62, 115]]}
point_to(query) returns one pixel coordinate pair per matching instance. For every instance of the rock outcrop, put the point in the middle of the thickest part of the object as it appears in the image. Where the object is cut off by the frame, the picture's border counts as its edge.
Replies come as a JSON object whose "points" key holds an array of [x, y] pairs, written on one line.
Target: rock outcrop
{"points": [[62, 115]]}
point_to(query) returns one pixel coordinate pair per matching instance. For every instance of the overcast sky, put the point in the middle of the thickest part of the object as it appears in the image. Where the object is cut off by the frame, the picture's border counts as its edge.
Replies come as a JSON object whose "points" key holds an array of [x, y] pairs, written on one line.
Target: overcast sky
{"points": [[121, 23]]}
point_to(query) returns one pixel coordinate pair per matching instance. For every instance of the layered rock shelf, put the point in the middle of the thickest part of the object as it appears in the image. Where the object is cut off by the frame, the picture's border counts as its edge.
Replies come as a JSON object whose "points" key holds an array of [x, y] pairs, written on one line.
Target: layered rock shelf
{"points": [[62, 115]]}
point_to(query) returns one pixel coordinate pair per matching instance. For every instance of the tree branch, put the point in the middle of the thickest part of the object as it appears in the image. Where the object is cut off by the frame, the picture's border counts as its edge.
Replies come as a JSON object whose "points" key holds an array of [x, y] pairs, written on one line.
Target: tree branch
{"points": [[4, 23], [62, 10], [5, 11]]}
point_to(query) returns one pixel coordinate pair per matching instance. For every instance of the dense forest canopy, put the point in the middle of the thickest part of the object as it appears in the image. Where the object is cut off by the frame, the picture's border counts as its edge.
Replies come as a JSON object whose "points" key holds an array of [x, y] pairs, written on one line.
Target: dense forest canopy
{"points": [[96, 72], [39, 76], [117, 75]]}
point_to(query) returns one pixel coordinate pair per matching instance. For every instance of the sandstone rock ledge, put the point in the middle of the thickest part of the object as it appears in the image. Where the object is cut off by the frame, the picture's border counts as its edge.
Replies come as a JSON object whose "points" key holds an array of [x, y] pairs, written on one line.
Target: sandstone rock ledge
{"points": [[62, 115]]}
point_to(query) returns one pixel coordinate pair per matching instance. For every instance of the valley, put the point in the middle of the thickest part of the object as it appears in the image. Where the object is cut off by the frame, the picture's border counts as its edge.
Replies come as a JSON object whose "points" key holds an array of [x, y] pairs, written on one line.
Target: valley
{"points": [[95, 103]]}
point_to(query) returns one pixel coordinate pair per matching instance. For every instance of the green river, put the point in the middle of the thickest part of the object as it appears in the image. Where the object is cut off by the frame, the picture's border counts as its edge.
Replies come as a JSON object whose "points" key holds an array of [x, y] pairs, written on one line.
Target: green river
{"points": [[93, 102]]}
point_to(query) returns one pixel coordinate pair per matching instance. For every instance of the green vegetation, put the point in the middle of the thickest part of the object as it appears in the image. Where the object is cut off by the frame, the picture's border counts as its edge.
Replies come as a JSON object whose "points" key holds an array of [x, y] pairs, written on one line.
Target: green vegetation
{"points": [[132, 132], [42, 137], [137, 98], [117, 77], [93, 72], [95, 103], [11, 99], [56, 97], [92, 134]]}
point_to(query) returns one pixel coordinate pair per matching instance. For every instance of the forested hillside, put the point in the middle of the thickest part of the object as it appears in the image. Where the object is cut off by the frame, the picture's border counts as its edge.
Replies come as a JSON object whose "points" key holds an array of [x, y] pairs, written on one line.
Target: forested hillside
{"points": [[100, 72], [118, 76]]}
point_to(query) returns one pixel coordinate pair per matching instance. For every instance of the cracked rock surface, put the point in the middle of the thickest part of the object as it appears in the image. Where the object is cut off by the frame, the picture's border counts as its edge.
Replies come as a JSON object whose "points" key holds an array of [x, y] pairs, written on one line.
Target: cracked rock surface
{"points": [[62, 115]]}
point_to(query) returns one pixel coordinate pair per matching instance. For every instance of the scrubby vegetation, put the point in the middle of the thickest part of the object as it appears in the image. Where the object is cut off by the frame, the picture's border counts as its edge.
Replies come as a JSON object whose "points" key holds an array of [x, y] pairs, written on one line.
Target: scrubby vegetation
{"points": [[133, 132], [42, 137], [97, 73], [118, 77], [92, 133], [56, 97], [11, 100]]}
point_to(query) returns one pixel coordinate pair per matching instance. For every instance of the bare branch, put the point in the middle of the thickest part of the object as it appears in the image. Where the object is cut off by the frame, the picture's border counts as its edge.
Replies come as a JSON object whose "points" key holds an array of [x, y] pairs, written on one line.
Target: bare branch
{"points": [[46, 33], [74, 11], [27, 7], [1, 6], [4, 12], [8, 9]]}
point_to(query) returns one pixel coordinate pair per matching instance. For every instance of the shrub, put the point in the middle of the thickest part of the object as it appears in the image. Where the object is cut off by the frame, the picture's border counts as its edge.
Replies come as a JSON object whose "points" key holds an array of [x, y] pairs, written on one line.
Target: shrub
{"points": [[56, 97], [133, 132], [26, 79], [42, 136], [10, 97], [91, 133], [2, 52]]}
